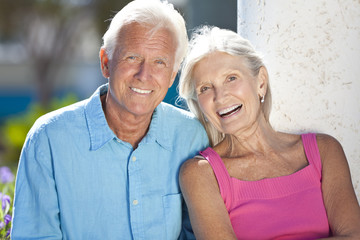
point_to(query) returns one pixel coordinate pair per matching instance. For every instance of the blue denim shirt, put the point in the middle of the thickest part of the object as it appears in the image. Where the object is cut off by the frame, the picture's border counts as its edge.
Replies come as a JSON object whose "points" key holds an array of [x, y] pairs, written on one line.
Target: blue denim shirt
{"points": [[76, 180]]}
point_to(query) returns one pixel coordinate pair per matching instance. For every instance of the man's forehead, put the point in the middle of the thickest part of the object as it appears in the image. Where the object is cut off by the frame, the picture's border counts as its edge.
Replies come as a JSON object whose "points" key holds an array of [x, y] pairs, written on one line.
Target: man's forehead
{"points": [[135, 38], [146, 30]]}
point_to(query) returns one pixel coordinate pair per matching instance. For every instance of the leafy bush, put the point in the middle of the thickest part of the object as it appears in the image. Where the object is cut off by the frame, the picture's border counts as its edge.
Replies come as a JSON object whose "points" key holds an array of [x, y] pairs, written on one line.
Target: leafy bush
{"points": [[15, 128]]}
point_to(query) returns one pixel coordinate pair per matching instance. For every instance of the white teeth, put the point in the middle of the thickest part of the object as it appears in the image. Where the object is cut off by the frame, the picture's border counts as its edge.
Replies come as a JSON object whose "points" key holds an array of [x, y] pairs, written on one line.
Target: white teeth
{"points": [[141, 91], [227, 110]]}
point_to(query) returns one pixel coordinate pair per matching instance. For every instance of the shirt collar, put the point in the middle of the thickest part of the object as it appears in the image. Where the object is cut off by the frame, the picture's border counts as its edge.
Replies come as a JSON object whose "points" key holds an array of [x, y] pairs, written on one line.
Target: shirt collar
{"points": [[100, 132], [159, 129]]}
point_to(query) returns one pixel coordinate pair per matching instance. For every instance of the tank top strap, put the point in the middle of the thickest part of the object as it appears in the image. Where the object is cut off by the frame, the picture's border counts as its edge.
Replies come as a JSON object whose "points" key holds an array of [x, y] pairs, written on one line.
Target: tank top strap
{"points": [[312, 151], [221, 174]]}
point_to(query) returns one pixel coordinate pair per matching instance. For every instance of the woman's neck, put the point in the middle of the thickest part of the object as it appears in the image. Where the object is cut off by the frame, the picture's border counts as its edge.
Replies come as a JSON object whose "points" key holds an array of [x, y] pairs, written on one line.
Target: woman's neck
{"points": [[259, 139]]}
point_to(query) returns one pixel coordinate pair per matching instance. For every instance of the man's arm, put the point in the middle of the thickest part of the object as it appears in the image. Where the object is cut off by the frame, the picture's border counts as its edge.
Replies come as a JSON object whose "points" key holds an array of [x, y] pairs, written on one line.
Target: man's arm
{"points": [[36, 209]]}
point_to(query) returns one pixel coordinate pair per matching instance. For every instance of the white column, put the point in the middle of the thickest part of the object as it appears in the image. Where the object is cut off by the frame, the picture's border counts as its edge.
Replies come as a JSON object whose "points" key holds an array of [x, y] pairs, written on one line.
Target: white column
{"points": [[312, 52]]}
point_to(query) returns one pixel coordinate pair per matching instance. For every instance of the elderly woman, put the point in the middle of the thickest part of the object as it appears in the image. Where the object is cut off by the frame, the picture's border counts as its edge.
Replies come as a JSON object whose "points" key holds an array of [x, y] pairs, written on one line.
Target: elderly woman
{"points": [[255, 182]]}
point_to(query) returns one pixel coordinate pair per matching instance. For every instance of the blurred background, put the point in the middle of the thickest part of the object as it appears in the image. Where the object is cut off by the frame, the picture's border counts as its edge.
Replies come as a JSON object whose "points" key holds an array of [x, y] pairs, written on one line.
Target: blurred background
{"points": [[49, 59], [49, 56]]}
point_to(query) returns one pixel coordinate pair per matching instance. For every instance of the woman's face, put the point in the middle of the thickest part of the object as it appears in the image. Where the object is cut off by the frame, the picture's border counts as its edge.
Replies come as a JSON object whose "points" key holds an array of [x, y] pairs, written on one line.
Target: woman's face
{"points": [[228, 93]]}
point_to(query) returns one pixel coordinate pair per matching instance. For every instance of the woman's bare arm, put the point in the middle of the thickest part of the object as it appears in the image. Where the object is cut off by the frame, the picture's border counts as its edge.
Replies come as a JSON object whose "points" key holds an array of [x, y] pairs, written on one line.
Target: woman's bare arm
{"points": [[208, 215], [340, 200]]}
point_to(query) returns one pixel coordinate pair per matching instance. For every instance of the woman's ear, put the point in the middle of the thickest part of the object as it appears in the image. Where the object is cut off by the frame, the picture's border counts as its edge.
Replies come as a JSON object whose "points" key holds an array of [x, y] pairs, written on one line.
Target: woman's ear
{"points": [[104, 63], [263, 79]]}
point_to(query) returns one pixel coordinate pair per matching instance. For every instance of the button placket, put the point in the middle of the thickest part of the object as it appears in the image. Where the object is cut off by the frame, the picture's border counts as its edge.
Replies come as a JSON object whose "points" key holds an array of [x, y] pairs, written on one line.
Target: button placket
{"points": [[134, 174]]}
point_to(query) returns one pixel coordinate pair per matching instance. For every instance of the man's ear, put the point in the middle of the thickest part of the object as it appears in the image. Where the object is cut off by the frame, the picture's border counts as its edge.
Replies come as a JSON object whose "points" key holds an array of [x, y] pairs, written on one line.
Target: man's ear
{"points": [[263, 79], [104, 63], [173, 76]]}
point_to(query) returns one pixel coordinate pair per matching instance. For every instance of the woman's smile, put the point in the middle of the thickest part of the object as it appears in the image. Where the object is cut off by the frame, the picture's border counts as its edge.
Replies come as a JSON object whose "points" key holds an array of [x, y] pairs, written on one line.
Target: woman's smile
{"points": [[230, 111]]}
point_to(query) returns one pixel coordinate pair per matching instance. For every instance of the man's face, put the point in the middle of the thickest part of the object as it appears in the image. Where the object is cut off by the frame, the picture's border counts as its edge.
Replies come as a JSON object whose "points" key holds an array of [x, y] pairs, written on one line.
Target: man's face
{"points": [[142, 69]]}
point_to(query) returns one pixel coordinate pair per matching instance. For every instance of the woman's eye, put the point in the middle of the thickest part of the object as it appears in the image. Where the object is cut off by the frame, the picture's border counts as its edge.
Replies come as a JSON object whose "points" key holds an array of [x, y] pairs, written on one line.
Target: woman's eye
{"points": [[203, 89]]}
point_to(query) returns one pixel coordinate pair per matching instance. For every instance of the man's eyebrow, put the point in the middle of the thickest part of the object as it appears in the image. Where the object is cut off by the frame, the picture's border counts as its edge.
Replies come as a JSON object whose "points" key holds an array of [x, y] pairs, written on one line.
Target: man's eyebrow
{"points": [[165, 59], [132, 54]]}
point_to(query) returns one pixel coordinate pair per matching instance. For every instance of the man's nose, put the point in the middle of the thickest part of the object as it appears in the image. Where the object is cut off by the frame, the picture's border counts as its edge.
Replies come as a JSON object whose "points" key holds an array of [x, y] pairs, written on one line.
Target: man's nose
{"points": [[144, 71]]}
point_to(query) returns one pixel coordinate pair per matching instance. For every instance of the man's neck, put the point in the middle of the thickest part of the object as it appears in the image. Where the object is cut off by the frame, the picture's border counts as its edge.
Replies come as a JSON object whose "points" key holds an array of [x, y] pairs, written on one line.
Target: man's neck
{"points": [[126, 126]]}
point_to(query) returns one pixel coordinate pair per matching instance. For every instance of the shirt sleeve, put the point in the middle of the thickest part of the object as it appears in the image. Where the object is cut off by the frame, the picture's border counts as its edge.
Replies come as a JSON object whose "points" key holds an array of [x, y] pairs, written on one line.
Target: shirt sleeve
{"points": [[187, 232], [36, 209]]}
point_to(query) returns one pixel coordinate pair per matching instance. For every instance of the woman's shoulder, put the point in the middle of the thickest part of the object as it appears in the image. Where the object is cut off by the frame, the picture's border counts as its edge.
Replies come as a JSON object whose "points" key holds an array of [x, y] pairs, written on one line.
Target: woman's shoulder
{"points": [[195, 165], [197, 175], [324, 138], [328, 145], [197, 168]]}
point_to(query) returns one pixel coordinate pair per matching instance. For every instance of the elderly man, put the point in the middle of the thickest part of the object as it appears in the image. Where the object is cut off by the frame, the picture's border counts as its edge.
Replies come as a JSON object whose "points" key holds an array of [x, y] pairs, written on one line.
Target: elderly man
{"points": [[107, 167]]}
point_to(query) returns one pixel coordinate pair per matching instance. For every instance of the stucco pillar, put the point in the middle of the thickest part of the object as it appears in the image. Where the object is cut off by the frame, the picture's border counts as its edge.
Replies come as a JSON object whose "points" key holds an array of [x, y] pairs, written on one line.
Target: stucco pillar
{"points": [[312, 52]]}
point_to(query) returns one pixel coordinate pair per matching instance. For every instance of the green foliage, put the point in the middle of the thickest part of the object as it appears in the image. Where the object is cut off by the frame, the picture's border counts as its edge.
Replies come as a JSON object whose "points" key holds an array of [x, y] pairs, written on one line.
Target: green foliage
{"points": [[15, 128]]}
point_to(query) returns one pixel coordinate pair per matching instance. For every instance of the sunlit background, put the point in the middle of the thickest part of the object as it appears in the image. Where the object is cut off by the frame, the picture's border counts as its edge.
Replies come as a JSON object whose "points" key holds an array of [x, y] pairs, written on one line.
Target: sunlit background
{"points": [[49, 59], [49, 56]]}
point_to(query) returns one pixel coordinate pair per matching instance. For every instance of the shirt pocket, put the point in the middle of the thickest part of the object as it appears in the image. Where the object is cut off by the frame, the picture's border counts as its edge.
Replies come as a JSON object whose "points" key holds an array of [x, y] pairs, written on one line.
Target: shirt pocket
{"points": [[173, 215]]}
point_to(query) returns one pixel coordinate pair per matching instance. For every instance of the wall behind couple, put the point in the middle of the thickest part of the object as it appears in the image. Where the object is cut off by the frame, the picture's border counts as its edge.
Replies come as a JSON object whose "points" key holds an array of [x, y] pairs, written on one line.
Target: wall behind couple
{"points": [[312, 52]]}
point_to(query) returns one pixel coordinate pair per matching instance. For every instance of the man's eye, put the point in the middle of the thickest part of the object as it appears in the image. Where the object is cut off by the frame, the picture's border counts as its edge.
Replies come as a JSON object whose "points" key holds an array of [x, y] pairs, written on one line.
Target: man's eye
{"points": [[232, 78], [132, 59], [160, 63]]}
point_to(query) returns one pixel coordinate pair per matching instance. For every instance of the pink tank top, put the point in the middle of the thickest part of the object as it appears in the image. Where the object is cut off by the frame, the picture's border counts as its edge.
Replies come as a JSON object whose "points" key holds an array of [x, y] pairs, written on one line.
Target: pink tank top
{"points": [[286, 207]]}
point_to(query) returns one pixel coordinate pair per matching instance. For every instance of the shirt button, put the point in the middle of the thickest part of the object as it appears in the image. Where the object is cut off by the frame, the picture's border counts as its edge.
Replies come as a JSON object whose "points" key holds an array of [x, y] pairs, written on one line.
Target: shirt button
{"points": [[135, 202], [134, 159]]}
